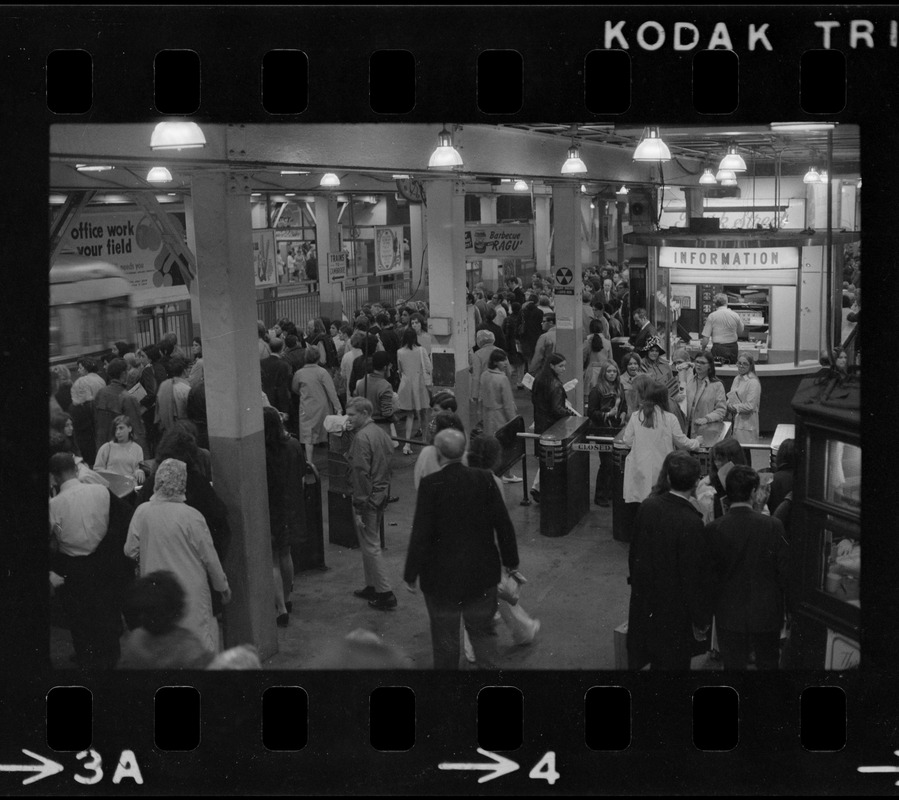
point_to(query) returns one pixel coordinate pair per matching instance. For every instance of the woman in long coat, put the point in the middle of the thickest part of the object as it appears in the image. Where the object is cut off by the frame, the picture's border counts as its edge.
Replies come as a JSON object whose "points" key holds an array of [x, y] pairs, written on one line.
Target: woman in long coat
{"points": [[167, 534], [497, 400], [318, 399], [743, 400], [413, 397], [651, 433]]}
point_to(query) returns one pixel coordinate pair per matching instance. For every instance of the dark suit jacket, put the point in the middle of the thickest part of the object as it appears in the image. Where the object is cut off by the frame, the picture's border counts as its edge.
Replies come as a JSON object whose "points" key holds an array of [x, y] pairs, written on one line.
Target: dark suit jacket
{"points": [[669, 592], [749, 560], [452, 547], [276, 381]]}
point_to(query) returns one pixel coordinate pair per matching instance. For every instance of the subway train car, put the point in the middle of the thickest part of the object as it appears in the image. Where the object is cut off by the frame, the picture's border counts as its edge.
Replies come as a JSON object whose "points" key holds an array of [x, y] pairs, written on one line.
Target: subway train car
{"points": [[90, 308]]}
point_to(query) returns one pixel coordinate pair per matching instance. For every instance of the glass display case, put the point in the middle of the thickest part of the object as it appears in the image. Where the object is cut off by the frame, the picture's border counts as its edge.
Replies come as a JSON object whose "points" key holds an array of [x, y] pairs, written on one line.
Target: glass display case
{"points": [[826, 537]]}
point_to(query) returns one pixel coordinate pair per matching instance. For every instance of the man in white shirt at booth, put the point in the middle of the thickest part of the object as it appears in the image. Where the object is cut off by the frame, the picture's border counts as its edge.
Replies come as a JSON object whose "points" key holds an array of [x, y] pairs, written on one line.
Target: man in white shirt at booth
{"points": [[724, 327]]}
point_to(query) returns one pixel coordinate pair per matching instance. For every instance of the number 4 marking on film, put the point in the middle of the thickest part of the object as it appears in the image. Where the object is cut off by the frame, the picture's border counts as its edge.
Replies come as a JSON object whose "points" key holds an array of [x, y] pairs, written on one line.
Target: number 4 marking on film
{"points": [[545, 769]]}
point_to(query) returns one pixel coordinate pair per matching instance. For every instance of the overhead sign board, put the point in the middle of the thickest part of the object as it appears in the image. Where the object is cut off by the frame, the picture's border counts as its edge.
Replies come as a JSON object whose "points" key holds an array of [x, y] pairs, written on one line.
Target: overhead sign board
{"points": [[499, 241]]}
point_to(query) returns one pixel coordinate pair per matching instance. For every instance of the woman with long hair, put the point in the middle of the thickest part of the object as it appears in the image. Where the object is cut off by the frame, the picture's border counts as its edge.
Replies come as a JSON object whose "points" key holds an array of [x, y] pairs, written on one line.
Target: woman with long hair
{"points": [[195, 376], [597, 352], [285, 469], [651, 433], [706, 399], [743, 400], [413, 398], [548, 396], [607, 410], [631, 367]]}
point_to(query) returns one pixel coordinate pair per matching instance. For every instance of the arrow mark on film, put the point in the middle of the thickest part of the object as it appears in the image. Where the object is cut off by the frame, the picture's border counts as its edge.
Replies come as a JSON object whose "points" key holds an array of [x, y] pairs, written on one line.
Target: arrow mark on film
{"points": [[501, 766], [44, 769]]}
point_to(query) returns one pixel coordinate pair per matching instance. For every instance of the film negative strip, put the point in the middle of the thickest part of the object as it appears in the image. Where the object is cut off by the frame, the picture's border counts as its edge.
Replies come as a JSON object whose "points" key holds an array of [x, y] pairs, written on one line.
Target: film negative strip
{"points": [[79, 81]]}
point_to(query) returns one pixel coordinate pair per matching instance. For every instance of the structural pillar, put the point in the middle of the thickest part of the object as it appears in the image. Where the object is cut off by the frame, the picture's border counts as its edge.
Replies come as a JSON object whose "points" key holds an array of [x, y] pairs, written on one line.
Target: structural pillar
{"points": [[567, 255], [193, 290], [417, 251], [490, 267], [227, 295], [449, 322], [327, 237], [542, 234]]}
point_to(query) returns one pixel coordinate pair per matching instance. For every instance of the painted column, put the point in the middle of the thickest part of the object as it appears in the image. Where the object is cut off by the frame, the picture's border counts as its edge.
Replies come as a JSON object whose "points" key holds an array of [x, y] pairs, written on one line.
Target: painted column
{"points": [[450, 326], [227, 296], [327, 236], [417, 252], [541, 236], [490, 267], [567, 255], [190, 230]]}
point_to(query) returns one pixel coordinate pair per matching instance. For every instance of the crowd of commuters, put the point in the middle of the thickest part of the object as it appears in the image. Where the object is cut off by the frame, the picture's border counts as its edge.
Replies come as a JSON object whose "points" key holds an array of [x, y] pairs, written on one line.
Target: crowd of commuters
{"points": [[139, 416]]}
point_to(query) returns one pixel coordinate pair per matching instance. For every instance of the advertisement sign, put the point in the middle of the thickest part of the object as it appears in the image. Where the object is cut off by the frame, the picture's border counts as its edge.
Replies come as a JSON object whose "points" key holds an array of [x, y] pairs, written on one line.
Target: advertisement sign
{"points": [[337, 266], [264, 258], [388, 250], [131, 241], [499, 241]]}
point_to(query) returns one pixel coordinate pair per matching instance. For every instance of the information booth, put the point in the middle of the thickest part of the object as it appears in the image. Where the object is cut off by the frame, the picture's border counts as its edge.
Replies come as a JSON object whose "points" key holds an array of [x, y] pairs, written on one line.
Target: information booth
{"points": [[782, 284], [826, 526]]}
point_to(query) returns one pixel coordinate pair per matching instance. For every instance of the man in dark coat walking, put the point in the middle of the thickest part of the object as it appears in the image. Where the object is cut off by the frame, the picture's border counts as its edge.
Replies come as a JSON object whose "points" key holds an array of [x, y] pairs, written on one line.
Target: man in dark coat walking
{"points": [[749, 559], [459, 517], [669, 597]]}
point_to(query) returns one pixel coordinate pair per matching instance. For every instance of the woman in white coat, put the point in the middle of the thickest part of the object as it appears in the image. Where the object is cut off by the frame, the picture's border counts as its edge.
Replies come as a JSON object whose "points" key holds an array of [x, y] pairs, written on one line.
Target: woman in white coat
{"points": [[413, 398], [651, 433], [743, 401]]}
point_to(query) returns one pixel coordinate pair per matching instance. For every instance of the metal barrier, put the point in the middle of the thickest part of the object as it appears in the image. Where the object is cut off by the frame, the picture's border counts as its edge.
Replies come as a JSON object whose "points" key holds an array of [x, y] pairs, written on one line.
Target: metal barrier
{"points": [[151, 328], [383, 292], [298, 308]]}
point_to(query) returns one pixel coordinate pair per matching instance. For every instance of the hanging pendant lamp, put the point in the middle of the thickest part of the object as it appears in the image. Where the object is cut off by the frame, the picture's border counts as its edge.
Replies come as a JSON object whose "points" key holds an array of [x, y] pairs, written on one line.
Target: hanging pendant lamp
{"points": [[811, 176], [725, 175], [445, 156], [823, 176], [177, 136], [651, 147], [708, 178], [733, 160], [159, 175], [573, 164]]}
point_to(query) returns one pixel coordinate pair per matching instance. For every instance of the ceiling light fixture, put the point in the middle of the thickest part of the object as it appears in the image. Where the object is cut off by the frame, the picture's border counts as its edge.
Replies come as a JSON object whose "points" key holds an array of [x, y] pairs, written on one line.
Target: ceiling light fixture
{"points": [[521, 185], [93, 167], [651, 147], [802, 127], [293, 172], [859, 184], [445, 156], [823, 176], [729, 182], [573, 164], [159, 175], [811, 176], [329, 180], [177, 136], [401, 177], [733, 160], [725, 175], [623, 191], [708, 178]]}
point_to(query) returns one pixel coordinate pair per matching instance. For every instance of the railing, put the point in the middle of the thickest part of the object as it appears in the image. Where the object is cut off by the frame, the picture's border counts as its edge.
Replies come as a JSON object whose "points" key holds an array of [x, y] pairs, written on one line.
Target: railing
{"points": [[151, 328], [298, 308], [386, 293]]}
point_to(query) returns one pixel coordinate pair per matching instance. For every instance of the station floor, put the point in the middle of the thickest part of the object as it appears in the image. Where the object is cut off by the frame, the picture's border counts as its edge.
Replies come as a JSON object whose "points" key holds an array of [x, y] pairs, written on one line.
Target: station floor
{"points": [[577, 588]]}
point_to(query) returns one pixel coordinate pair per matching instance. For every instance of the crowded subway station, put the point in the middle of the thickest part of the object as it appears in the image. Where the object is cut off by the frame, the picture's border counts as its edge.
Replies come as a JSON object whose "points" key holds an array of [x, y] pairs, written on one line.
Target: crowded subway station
{"points": [[546, 396]]}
